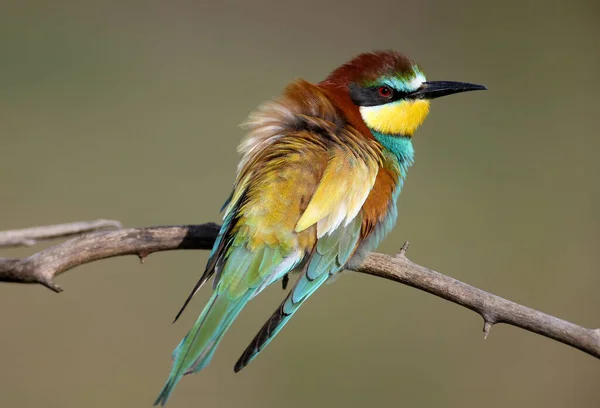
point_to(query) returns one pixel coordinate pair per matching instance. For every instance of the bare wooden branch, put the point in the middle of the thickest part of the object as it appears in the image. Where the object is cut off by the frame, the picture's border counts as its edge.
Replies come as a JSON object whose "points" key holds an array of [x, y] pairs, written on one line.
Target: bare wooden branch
{"points": [[44, 266], [30, 236], [492, 308]]}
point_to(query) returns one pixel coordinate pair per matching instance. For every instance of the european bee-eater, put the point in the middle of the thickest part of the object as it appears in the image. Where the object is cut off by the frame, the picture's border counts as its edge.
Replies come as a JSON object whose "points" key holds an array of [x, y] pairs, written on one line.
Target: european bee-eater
{"points": [[316, 189]]}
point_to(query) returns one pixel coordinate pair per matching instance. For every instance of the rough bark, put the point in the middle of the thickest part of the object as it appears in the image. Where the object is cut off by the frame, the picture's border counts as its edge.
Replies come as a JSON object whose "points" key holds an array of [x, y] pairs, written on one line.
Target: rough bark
{"points": [[43, 266]]}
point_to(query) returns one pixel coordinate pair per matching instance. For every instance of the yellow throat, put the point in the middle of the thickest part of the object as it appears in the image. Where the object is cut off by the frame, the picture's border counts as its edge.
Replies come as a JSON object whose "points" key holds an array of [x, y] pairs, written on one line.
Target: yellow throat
{"points": [[396, 118]]}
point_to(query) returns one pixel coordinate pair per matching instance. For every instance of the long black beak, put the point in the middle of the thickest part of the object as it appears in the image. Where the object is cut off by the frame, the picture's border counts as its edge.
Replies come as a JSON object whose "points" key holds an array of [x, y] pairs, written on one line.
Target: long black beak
{"points": [[435, 89]]}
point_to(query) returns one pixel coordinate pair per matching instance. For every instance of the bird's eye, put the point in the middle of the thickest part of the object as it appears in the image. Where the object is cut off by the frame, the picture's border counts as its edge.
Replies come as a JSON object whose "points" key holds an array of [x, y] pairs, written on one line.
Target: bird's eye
{"points": [[385, 91]]}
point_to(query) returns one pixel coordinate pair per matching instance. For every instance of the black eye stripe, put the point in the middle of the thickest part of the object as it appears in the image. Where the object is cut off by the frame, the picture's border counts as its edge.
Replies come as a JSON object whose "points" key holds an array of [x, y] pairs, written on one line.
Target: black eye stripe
{"points": [[371, 96]]}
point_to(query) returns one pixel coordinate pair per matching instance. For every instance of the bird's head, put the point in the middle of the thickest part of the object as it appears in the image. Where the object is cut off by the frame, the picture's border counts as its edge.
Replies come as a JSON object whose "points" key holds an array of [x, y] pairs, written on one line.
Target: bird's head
{"points": [[391, 91]]}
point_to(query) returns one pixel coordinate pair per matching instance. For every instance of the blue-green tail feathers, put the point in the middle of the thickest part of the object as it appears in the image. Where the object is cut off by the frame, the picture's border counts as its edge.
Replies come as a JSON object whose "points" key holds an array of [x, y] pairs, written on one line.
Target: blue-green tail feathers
{"points": [[330, 255], [197, 348], [278, 319], [242, 273]]}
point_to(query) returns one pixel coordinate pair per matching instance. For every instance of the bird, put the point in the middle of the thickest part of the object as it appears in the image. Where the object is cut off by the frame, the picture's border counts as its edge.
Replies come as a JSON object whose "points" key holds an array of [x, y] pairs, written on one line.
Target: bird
{"points": [[316, 190]]}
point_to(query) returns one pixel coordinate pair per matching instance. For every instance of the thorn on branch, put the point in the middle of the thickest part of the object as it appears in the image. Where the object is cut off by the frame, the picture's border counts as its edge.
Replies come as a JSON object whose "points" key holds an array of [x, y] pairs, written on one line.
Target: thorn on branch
{"points": [[487, 326], [403, 249], [143, 255], [52, 286]]}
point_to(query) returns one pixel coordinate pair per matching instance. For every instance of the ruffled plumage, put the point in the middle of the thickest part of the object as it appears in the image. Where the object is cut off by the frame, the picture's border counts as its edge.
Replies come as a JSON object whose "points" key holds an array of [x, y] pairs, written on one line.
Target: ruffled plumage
{"points": [[312, 185]]}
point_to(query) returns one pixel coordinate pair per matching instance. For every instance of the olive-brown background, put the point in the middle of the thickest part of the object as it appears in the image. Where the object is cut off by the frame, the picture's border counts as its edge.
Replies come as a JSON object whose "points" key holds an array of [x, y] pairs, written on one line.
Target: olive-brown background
{"points": [[130, 111]]}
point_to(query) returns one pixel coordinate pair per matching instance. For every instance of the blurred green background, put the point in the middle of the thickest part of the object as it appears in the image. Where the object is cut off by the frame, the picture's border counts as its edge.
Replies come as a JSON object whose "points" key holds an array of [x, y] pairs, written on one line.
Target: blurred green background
{"points": [[130, 111]]}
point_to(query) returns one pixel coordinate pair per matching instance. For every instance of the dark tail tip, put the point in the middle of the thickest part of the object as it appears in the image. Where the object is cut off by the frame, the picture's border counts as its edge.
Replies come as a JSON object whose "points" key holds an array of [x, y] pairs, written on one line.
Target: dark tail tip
{"points": [[177, 317], [242, 362], [187, 301], [163, 397], [199, 284]]}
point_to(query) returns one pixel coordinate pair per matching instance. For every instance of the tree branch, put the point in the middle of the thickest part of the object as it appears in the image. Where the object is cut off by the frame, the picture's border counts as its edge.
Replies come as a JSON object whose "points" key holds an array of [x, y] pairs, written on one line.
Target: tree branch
{"points": [[30, 236], [43, 266]]}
